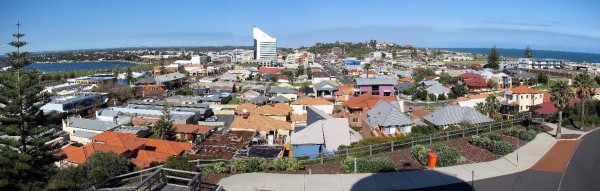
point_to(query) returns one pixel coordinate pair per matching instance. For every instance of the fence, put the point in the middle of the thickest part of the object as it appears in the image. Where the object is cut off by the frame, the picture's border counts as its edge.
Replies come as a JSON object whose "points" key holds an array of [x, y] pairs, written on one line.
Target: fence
{"points": [[402, 143], [153, 178]]}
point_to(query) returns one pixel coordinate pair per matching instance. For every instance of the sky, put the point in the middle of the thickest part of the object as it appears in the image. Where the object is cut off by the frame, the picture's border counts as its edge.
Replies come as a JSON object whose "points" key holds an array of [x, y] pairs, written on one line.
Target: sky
{"points": [[563, 25]]}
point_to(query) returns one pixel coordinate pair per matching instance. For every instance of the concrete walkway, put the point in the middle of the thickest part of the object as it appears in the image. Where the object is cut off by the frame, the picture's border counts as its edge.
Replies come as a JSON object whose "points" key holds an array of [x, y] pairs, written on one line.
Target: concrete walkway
{"points": [[520, 160]]}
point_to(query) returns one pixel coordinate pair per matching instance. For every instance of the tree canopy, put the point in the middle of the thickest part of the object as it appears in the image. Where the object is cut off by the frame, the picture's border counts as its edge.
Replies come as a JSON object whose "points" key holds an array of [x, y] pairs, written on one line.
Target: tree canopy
{"points": [[528, 53], [493, 59]]}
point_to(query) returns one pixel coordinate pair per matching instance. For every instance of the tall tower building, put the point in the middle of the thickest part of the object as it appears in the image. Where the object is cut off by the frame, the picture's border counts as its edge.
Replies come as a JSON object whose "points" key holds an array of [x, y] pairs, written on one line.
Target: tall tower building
{"points": [[265, 46]]}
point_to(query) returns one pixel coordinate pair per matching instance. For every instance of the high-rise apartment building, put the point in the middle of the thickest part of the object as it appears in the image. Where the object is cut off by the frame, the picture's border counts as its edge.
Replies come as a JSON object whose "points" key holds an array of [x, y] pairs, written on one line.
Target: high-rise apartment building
{"points": [[265, 46]]}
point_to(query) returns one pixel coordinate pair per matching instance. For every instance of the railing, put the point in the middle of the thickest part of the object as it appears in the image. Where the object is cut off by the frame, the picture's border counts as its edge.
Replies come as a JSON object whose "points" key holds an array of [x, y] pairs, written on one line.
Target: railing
{"points": [[151, 180], [160, 177]]}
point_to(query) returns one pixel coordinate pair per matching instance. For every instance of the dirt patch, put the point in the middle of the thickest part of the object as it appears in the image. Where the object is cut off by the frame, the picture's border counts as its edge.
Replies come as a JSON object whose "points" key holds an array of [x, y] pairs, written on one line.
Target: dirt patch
{"points": [[557, 157], [473, 154], [404, 161], [569, 136]]}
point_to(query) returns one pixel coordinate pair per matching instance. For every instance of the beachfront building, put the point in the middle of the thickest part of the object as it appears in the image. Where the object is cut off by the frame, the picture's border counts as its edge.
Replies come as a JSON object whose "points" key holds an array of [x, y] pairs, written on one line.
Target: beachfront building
{"points": [[265, 46]]}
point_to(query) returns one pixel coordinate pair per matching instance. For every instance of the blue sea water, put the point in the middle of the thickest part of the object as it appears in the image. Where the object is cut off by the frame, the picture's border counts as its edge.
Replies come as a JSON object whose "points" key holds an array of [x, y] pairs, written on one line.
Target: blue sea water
{"points": [[72, 66], [538, 54]]}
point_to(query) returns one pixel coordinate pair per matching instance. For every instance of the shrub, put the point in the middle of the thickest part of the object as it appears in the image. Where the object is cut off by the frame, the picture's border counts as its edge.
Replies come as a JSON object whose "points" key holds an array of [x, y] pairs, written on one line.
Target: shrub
{"points": [[481, 141], [447, 156], [180, 163], [221, 167], [420, 153], [534, 128], [380, 164], [292, 164], [493, 136], [256, 164], [521, 134], [278, 164], [239, 165], [423, 129], [500, 147], [512, 131], [452, 128]]}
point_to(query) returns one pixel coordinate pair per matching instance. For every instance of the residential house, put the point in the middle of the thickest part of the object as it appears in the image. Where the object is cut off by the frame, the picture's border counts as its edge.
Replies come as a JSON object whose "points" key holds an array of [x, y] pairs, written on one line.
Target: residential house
{"points": [[270, 70], [275, 91], [171, 80], [250, 94], [323, 134], [141, 151], [190, 132], [386, 119], [503, 80], [80, 130], [520, 99], [356, 108], [474, 82], [344, 93], [171, 68], [455, 115], [266, 127], [300, 106], [326, 89], [75, 102], [318, 77], [429, 83], [438, 90], [376, 86], [96, 79], [115, 117], [214, 87]]}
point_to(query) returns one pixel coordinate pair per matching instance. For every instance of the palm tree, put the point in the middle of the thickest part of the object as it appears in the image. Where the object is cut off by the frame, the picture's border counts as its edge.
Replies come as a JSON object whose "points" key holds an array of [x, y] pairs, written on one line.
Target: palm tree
{"points": [[492, 105], [584, 85], [366, 68], [481, 107], [561, 95]]}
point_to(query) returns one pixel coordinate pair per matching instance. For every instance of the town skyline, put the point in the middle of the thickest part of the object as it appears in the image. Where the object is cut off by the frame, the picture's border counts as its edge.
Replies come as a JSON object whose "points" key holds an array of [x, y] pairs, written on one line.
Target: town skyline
{"points": [[65, 25]]}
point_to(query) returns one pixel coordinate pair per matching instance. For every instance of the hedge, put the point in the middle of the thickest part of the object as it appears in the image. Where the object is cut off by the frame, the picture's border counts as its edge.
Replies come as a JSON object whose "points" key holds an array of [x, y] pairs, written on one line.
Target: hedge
{"points": [[380, 164], [526, 135], [492, 143], [260, 164], [447, 156]]}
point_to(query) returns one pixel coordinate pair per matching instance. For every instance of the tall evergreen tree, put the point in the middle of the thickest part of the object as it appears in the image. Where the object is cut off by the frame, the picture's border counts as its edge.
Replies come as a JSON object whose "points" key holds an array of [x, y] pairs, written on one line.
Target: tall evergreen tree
{"points": [[493, 59], [164, 125], [584, 84], [25, 164], [528, 53], [129, 75], [162, 66], [560, 92]]}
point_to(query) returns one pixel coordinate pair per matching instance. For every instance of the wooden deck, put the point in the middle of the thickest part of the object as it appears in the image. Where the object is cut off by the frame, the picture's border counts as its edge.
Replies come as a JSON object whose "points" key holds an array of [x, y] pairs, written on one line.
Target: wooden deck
{"points": [[172, 187]]}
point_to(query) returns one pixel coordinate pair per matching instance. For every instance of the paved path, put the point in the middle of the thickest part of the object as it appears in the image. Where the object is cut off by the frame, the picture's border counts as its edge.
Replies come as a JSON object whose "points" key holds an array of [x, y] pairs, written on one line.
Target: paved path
{"points": [[520, 160]]}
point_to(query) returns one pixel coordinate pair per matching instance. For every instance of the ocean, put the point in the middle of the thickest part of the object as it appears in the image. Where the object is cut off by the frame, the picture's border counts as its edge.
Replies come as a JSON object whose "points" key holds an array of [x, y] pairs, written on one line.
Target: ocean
{"points": [[72, 66], [538, 54]]}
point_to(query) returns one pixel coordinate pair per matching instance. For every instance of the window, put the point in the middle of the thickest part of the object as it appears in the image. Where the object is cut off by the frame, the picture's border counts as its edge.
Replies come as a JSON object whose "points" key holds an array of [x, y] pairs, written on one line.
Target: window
{"points": [[355, 120], [526, 96], [304, 107]]}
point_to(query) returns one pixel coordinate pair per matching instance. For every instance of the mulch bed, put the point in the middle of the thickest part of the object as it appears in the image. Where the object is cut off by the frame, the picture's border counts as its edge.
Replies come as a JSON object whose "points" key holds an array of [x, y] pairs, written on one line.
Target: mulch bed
{"points": [[473, 154], [569, 136], [515, 142], [404, 161]]}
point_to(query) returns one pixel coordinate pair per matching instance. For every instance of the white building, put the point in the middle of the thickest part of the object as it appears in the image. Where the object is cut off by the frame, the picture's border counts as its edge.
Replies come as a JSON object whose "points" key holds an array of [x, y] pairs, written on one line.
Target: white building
{"points": [[265, 46]]}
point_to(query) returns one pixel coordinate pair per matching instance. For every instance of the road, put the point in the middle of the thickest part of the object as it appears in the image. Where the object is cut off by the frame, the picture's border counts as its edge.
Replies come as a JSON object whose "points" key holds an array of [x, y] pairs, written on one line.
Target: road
{"points": [[582, 174], [333, 72]]}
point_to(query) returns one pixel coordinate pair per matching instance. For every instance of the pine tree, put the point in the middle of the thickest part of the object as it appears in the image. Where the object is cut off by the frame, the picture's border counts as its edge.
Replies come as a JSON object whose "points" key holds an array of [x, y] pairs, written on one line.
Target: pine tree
{"points": [[25, 164], [129, 76], [164, 125], [162, 66], [493, 59], [528, 53]]}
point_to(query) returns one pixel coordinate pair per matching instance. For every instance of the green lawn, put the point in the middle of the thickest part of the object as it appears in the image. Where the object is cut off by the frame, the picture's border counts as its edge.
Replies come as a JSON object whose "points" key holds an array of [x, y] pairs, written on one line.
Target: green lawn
{"points": [[542, 87], [300, 83], [153, 136], [234, 101]]}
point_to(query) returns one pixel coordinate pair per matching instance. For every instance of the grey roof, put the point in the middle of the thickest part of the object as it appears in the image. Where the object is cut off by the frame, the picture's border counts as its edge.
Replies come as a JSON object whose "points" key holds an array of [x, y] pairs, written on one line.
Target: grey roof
{"points": [[438, 89], [280, 90], [455, 114], [91, 124], [84, 134], [258, 100], [404, 73], [146, 80], [314, 114], [404, 86], [280, 99], [138, 130], [325, 86], [169, 77], [430, 82], [331, 132], [210, 99], [108, 113], [374, 81], [387, 114]]}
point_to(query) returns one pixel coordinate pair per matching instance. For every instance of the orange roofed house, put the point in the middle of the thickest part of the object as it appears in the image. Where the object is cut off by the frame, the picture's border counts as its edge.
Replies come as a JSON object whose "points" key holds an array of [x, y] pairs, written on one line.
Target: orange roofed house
{"points": [[520, 99], [141, 151], [357, 107]]}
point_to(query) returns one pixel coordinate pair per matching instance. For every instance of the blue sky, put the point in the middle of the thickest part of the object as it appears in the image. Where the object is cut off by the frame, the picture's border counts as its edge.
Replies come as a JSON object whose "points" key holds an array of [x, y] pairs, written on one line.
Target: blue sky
{"points": [[68, 24]]}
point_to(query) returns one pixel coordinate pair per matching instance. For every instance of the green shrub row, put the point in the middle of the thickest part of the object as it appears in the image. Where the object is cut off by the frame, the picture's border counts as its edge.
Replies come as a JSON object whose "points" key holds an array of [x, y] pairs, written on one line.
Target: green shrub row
{"points": [[492, 143], [258, 165], [534, 127], [447, 156], [380, 164], [526, 135]]}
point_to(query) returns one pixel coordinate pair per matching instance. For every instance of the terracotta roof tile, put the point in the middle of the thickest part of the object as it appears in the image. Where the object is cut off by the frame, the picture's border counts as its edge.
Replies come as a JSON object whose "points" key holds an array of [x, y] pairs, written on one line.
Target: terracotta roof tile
{"points": [[247, 106], [128, 141], [191, 128], [258, 122], [367, 101], [269, 70], [80, 154], [311, 101], [279, 109], [524, 90], [297, 118]]}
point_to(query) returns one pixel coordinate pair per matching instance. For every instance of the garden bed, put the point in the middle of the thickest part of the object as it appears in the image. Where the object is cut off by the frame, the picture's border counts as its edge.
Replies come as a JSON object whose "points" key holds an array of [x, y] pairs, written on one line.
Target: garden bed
{"points": [[569, 136], [472, 153]]}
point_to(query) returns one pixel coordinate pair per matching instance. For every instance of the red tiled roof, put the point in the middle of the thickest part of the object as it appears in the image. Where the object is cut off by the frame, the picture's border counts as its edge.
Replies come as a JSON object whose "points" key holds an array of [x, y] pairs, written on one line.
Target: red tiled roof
{"points": [[524, 90], [191, 128], [367, 101], [311, 101], [546, 108], [258, 122], [80, 154], [269, 70], [477, 82]]}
